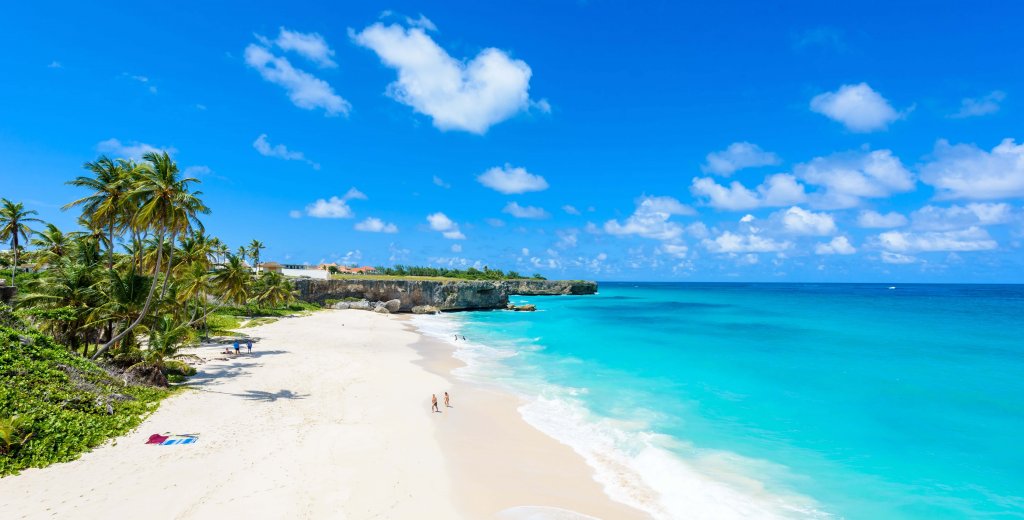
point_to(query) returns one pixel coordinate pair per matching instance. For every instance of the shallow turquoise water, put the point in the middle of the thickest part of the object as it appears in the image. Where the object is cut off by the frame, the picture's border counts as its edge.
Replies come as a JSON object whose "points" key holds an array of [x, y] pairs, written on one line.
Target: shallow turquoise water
{"points": [[777, 400]]}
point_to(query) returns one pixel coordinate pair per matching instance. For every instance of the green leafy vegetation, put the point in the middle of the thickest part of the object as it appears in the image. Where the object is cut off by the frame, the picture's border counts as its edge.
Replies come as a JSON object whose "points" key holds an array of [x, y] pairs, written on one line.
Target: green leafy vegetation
{"points": [[55, 404]]}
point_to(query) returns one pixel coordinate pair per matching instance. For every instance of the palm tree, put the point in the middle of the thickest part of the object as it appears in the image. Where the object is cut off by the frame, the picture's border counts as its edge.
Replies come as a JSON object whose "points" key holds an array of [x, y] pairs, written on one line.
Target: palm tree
{"points": [[274, 290], [111, 184], [66, 296], [232, 280], [14, 223], [194, 284], [254, 251], [168, 208], [51, 245], [124, 295]]}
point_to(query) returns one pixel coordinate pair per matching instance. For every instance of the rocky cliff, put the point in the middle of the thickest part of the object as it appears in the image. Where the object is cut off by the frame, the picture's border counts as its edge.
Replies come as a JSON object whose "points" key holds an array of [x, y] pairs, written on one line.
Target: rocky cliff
{"points": [[445, 295], [548, 287]]}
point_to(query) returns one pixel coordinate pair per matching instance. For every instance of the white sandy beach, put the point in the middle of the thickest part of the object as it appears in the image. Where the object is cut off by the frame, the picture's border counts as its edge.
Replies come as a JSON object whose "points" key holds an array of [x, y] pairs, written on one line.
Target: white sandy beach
{"points": [[328, 418]]}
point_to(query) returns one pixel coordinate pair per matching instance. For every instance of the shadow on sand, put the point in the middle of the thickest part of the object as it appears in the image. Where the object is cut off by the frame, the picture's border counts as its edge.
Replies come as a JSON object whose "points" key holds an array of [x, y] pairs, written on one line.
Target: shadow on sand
{"points": [[260, 395]]}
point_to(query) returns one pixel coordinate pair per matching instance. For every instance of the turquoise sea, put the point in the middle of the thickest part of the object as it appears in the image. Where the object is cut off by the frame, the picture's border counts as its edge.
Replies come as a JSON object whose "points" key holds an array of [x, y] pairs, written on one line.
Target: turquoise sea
{"points": [[855, 401]]}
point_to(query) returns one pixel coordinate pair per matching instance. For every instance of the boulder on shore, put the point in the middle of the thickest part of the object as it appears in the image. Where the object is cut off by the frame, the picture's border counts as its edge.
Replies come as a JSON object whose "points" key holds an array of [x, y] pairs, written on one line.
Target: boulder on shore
{"points": [[425, 309], [393, 305], [381, 309], [529, 307], [362, 305]]}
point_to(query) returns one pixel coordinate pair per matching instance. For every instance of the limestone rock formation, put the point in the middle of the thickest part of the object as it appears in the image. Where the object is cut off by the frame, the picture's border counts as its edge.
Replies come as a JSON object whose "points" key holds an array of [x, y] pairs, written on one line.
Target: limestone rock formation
{"points": [[442, 295]]}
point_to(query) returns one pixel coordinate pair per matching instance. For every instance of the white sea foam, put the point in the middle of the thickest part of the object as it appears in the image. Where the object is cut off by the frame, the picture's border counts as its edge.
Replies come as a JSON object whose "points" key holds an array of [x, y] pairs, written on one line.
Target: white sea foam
{"points": [[635, 466]]}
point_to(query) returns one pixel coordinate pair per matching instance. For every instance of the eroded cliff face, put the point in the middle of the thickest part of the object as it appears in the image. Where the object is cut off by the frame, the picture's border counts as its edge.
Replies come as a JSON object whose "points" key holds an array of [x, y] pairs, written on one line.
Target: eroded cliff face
{"points": [[548, 287], [445, 295]]}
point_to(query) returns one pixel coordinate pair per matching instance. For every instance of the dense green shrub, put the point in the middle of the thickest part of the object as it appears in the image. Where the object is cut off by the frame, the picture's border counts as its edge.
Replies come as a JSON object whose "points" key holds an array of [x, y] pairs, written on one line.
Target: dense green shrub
{"points": [[178, 367], [57, 405]]}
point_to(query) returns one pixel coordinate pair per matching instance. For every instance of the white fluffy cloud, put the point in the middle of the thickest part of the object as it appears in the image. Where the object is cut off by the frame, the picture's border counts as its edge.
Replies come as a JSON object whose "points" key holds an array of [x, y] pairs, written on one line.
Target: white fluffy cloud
{"points": [[512, 180], [838, 246], [897, 258], [964, 171], [311, 46], [517, 211], [798, 221], [376, 225], [651, 219], [737, 157], [280, 151], [133, 150], [973, 107], [448, 228], [677, 250], [970, 239], [777, 190], [570, 209], [858, 107], [933, 218], [729, 242], [334, 207], [468, 95], [847, 178], [874, 219], [304, 89]]}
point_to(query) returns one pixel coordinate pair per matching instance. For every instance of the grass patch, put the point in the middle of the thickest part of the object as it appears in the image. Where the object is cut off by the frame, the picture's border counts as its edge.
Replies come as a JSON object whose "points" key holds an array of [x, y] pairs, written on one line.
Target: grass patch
{"points": [[55, 405], [223, 324], [357, 277], [256, 322]]}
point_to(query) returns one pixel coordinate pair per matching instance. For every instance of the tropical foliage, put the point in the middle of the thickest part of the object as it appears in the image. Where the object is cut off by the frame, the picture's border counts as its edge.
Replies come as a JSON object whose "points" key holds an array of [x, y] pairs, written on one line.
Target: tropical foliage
{"points": [[140, 277], [103, 311], [54, 404]]}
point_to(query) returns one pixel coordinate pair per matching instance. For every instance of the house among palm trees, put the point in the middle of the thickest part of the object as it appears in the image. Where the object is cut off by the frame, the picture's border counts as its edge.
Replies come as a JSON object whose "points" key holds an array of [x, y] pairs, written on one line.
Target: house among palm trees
{"points": [[344, 269], [271, 267], [295, 270]]}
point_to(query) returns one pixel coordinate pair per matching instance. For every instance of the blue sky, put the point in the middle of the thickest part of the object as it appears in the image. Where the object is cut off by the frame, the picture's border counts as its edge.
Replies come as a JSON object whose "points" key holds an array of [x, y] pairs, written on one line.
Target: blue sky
{"points": [[605, 140]]}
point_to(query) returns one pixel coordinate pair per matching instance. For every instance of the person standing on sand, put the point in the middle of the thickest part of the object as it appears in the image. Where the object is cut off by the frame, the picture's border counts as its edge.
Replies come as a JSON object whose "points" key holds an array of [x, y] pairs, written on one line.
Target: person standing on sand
{"points": [[237, 351], [433, 402], [248, 345], [446, 405]]}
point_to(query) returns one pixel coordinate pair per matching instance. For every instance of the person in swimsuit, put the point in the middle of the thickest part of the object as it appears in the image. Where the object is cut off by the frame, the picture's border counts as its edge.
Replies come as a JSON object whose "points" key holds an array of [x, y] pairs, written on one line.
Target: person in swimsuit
{"points": [[433, 402], [446, 405]]}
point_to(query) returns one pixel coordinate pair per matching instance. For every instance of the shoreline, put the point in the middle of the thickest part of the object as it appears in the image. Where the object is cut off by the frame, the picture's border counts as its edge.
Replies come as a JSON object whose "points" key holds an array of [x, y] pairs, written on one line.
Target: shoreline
{"points": [[506, 467], [329, 417]]}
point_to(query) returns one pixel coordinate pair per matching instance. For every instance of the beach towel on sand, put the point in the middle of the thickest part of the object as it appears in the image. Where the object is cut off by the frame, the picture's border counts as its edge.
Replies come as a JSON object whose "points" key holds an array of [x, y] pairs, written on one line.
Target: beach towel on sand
{"points": [[169, 440]]}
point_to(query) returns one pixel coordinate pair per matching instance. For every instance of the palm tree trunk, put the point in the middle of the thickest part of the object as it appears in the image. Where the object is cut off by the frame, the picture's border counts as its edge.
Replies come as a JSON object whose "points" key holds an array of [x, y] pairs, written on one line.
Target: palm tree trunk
{"points": [[170, 265], [145, 307], [110, 246], [203, 317], [14, 268]]}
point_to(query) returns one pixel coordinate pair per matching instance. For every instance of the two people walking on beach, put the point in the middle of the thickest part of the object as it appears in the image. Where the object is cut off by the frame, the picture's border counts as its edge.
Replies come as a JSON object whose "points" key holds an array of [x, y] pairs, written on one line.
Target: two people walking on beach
{"points": [[238, 347], [433, 402]]}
